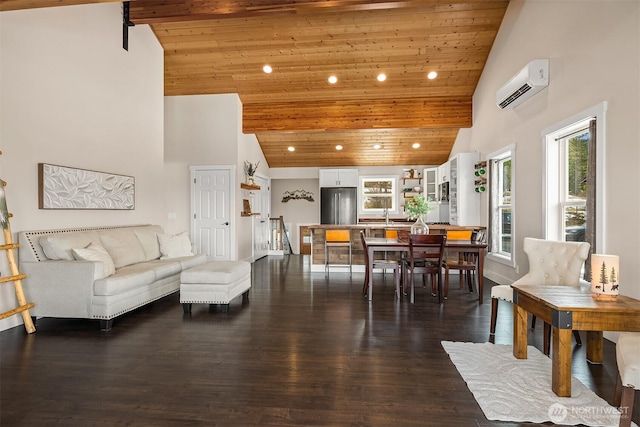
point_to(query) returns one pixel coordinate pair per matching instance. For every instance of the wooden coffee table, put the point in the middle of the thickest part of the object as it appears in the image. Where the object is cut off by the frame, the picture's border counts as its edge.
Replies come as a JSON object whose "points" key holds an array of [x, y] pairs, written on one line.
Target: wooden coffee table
{"points": [[569, 308]]}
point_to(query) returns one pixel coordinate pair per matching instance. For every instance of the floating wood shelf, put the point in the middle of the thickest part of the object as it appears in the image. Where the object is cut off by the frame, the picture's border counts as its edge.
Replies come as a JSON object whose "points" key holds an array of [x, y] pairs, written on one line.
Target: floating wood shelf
{"points": [[249, 187]]}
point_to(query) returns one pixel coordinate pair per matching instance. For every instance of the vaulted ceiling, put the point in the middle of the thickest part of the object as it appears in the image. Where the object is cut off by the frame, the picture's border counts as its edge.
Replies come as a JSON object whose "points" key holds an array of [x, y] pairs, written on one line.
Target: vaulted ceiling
{"points": [[214, 47]]}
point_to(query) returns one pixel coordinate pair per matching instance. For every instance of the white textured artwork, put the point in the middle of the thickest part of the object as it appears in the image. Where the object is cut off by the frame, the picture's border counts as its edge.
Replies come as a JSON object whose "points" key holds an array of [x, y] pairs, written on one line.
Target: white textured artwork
{"points": [[62, 187]]}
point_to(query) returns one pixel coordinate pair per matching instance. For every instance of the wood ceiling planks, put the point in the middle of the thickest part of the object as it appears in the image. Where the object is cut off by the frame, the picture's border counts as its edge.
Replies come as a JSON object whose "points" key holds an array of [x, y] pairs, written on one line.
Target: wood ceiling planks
{"points": [[220, 47], [353, 115], [396, 147]]}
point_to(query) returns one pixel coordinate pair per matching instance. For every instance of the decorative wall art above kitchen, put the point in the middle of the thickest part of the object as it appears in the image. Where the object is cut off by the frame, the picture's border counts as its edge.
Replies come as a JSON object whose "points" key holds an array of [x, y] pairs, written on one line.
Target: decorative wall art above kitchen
{"points": [[297, 195]]}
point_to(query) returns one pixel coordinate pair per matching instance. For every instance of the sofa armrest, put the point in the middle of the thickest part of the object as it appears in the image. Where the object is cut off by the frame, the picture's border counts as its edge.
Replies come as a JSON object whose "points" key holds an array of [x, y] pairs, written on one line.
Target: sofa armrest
{"points": [[60, 288]]}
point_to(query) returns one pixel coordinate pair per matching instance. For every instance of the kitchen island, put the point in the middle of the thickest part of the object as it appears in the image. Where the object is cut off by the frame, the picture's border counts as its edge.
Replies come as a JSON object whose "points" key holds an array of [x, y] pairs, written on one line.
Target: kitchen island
{"points": [[372, 229]]}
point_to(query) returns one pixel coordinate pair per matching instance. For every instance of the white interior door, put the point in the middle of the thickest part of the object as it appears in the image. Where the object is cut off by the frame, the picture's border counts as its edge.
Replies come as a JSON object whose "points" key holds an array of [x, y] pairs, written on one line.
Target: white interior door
{"points": [[262, 204], [211, 201]]}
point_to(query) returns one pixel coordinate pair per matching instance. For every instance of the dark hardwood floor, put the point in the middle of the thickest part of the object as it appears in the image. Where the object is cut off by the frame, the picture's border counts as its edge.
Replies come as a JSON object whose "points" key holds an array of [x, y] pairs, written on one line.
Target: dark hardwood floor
{"points": [[302, 352]]}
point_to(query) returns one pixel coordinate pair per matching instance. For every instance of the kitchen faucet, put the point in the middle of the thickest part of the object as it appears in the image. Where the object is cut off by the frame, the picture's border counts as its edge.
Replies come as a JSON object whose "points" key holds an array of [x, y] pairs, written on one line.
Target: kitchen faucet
{"points": [[386, 216]]}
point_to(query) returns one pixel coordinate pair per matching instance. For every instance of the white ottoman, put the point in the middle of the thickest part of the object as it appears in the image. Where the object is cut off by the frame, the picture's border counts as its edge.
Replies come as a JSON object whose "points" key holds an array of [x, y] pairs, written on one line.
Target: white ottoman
{"points": [[216, 282]]}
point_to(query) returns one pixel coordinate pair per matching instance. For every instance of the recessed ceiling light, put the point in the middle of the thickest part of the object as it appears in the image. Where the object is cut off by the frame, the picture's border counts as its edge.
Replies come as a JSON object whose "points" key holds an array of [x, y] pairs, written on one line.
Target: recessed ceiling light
{"points": [[291, 148], [416, 145], [377, 147], [267, 69], [338, 147], [381, 77], [333, 79], [432, 75]]}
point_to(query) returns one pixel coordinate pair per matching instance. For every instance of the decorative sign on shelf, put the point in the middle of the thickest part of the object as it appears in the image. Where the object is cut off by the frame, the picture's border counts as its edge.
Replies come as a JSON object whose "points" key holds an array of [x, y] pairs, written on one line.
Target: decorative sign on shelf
{"points": [[62, 187], [297, 195]]}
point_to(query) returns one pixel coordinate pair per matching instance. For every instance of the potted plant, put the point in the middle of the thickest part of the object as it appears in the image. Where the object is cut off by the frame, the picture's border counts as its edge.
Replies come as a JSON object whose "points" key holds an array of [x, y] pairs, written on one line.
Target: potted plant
{"points": [[250, 170], [417, 207]]}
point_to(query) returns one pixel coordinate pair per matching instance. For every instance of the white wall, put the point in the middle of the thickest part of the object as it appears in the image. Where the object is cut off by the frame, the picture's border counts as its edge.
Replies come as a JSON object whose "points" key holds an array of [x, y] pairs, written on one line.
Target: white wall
{"points": [[295, 212], [594, 52], [199, 130], [207, 130], [72, 96]]}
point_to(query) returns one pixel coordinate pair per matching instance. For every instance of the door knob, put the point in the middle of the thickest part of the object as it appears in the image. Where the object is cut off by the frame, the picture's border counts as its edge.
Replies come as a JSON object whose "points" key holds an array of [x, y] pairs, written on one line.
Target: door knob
{"points": [[225, 223]]}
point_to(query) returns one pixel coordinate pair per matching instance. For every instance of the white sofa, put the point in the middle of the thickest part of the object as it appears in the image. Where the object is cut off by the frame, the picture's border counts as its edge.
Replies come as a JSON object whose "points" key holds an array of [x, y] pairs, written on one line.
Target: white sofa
{"points": [[102, 272]]}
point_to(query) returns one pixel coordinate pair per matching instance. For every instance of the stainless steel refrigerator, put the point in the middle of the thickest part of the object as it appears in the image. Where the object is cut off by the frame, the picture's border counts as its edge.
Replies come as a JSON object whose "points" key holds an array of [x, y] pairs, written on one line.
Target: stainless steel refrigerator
{"points": [[338, 205]]}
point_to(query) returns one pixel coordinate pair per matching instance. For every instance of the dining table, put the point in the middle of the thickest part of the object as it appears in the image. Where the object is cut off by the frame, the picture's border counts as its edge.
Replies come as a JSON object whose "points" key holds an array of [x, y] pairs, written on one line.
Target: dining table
{"points": [[382, 244], [568, 309]]}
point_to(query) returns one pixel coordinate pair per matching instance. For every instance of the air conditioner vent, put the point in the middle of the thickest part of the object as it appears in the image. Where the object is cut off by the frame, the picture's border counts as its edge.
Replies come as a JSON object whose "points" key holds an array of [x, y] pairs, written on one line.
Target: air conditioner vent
{"points": [[517, 94], [530, 80]]}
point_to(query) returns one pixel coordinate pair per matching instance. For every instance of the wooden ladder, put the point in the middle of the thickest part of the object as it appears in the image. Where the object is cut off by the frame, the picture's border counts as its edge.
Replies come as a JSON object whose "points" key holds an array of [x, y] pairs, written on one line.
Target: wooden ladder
{"points": [[16, 277]]}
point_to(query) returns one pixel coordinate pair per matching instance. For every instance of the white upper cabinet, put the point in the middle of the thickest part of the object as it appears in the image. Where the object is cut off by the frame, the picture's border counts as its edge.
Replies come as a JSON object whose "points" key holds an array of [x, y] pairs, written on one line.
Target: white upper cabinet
{"points": [[443, 173], [431, 190], [338, 177]]}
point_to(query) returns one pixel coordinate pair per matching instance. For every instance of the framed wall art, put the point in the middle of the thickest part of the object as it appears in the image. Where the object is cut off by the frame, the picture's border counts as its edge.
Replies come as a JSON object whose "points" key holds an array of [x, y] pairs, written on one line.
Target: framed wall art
{"points": [[63, 187]]}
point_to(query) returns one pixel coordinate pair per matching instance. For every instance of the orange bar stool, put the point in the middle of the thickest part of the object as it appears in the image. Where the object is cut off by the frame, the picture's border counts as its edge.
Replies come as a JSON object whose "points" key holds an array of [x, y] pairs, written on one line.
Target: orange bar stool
{"points": [[337, 239]]}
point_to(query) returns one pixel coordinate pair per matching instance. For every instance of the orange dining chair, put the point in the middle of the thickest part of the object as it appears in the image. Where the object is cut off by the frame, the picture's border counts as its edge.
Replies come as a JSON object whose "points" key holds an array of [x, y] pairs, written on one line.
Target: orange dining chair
{"points": [[465, 263], [379, 263], [426, 252]]}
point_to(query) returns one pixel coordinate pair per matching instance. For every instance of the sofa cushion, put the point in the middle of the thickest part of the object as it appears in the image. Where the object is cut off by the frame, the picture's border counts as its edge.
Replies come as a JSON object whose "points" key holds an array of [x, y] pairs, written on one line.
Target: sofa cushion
{"points": [[148, 237], [123, 246], [175, 246], [59, 246], [95, 252], [125, 279], [164, 268]]}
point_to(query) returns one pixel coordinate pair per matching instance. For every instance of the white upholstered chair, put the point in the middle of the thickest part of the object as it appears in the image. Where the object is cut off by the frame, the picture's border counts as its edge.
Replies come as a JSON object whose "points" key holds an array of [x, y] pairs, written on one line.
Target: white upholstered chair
{"points": [[628, 358], [550, 263]]}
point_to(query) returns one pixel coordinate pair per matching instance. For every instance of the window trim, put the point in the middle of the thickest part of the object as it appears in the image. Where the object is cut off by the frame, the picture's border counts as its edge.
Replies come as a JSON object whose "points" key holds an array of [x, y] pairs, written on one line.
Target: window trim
{"points": [[394, 194], [550, 176], [508, 151]]}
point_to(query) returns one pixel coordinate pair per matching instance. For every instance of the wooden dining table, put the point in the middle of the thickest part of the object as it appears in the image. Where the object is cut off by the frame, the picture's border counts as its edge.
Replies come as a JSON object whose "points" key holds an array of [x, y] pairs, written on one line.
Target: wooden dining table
{"points": [[381, 244], [568, 309]]}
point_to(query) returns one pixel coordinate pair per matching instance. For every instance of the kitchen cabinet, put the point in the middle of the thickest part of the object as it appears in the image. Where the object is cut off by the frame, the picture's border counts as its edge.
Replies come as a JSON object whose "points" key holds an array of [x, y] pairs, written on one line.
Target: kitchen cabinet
{"points": [[338, 177], [430, 190], [464, 202], [430, 183], [443, 173]]}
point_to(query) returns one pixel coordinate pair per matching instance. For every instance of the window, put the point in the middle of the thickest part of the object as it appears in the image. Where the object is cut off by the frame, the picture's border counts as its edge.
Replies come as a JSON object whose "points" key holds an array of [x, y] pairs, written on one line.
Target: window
{"points": [[501, 166], [574, 149], [566, 159], [378, 194]]}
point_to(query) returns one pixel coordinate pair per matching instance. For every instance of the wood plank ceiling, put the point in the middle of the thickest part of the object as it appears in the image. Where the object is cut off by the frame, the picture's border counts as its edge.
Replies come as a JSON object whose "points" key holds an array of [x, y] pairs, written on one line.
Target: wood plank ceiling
{"points": [[221, 47]]}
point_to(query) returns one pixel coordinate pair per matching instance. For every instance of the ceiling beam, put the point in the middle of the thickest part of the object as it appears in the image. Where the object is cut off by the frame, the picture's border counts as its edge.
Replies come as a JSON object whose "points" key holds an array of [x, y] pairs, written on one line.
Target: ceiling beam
{"points": [[36, 4], [418, 113], [162, 11]]}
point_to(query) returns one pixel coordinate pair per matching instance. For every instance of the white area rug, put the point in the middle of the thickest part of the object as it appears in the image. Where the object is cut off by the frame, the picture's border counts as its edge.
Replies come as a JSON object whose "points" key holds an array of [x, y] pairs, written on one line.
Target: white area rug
{"points": [[509, 389]]}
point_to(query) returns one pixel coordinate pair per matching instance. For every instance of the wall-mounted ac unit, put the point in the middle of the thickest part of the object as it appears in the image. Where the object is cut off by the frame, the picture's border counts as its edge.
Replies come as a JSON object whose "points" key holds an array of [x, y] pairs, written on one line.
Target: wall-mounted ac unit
{"points": [[530, 80]]}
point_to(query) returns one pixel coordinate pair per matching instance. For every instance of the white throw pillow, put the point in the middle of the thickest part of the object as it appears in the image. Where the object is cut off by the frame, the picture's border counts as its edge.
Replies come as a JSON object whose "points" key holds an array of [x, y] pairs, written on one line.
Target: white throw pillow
{"points": [[175, 246], [95, 252], [123, 246], [58, 246], [148, 237]]}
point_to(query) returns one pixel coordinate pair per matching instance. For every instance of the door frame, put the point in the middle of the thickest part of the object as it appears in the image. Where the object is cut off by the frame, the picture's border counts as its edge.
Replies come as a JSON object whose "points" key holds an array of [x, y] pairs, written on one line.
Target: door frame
{"points": [[232, 202], [265, 195]]}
